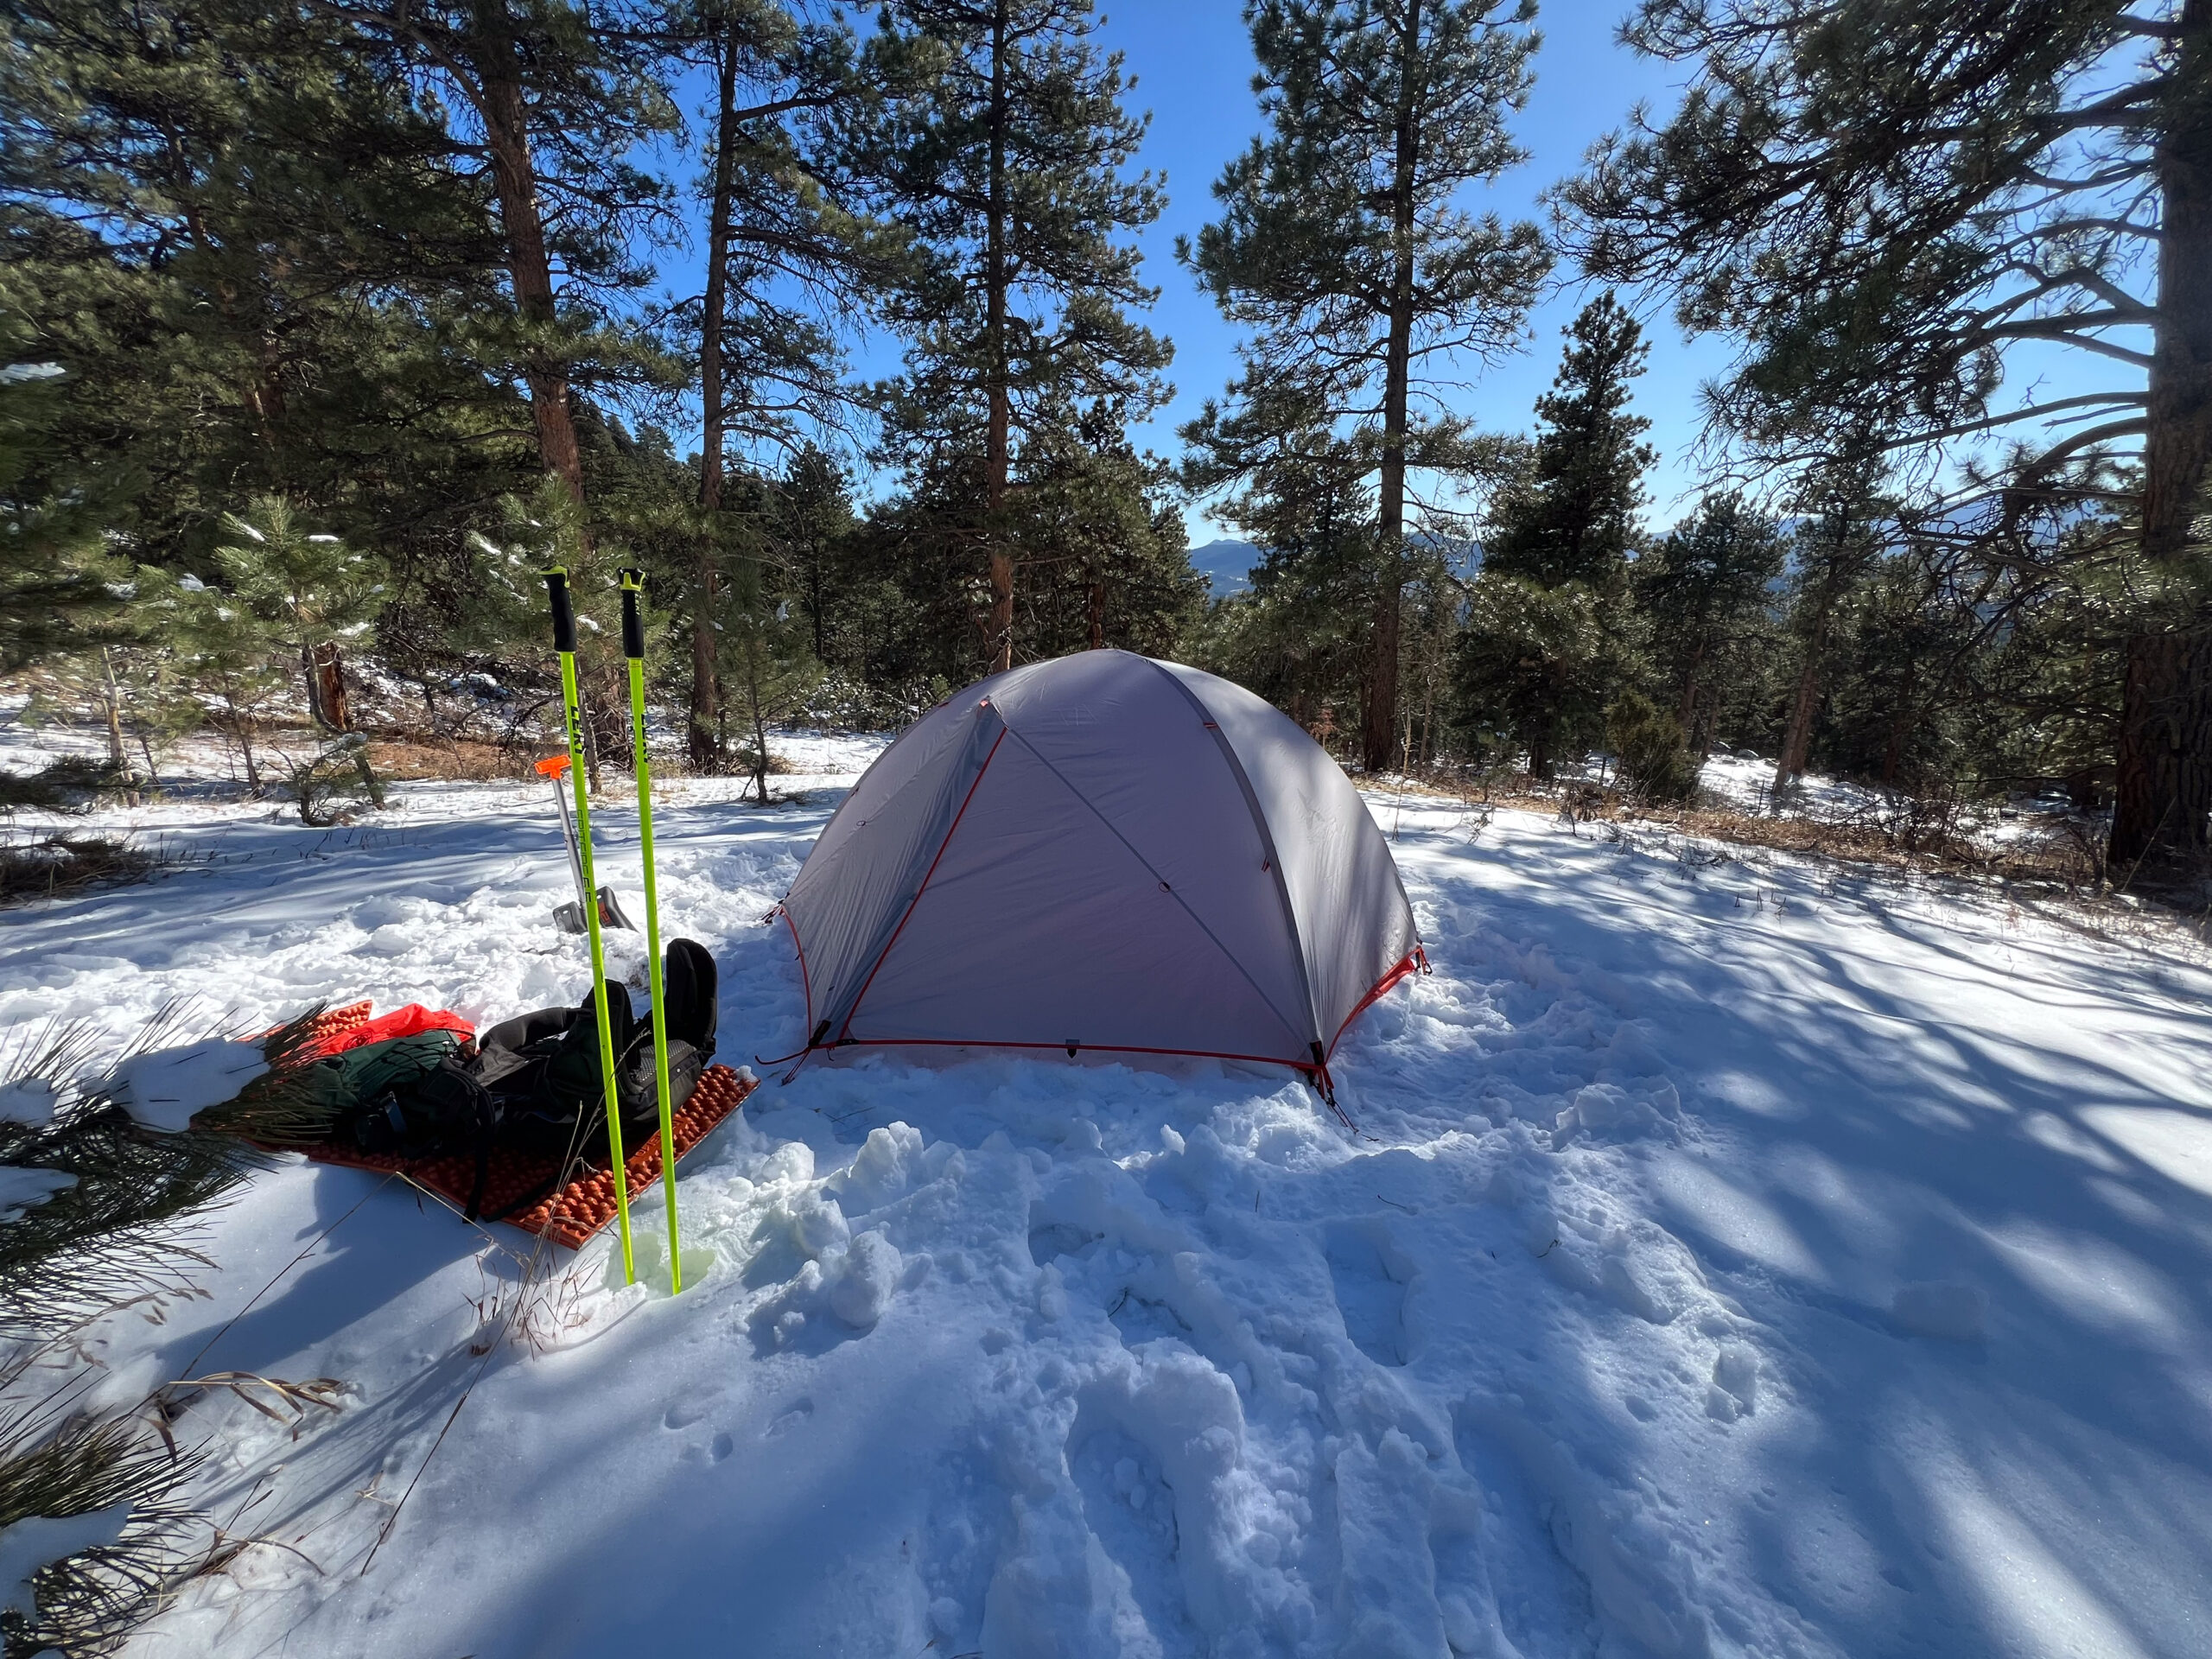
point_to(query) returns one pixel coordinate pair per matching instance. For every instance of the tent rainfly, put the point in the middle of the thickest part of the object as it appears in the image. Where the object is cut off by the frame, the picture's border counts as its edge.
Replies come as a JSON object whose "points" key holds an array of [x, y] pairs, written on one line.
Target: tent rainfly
{"points": [[1101, 852]]}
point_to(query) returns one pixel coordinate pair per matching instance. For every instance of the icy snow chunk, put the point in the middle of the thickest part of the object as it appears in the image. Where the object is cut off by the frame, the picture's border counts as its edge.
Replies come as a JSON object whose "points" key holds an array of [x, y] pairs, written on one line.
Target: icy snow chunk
{"points": [[793, 1161], [392, 939], [883, 1170], [162, 1090], [21, 1188], [1608, 1109], [1630, 1055], [39, 1541], [1936, 1309], [1631, 1291], [31, 1101], [817, 1225], [873, 1265], [1735, 1388]]}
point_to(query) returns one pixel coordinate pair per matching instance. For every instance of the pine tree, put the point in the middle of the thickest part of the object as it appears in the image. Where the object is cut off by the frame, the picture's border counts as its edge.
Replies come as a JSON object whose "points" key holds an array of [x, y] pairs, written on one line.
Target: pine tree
{"points": [[1704, 594], [222, 656], [54, 574], [813, 514], [1536, 669], [1571, 516], [254, 255], [560, 97], [1546, 644], [1345, 242], [1007, 157], [1885, 203], [1300, 637], [1835, 546], [785, 246], [308, 591]]}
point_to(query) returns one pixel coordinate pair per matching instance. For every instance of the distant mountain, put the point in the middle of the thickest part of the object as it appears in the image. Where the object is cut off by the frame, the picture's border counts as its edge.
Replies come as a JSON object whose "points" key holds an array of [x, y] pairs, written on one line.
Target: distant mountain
{"points": [[1226, 565]]}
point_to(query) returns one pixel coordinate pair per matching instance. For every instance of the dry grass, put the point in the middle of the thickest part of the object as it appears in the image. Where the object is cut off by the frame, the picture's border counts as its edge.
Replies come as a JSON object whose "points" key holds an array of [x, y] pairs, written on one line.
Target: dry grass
{"points": [[53, 865], [2060, 864], [461, 760]]}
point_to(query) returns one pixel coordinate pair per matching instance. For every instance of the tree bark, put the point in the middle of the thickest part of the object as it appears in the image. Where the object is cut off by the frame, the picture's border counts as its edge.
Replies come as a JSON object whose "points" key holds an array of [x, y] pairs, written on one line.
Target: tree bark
{"points": [[1379, 720], [1686, 711], [507, 136], [2165, 728], [2165, 782], [759, 720], [326, 676], [705, 719], [1797, 736], [996, 463], [118, 757], [242, 728], [1906, 716], [1098, 614]]}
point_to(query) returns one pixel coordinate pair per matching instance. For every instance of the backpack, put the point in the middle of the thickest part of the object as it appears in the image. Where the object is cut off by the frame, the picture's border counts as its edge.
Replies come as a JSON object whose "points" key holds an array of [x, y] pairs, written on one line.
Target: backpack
{"points": [[533, 1082]]}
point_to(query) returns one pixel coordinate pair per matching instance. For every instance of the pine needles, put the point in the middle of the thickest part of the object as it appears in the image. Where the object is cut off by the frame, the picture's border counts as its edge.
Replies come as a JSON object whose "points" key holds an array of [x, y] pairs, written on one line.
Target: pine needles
{"points": [[87, 1601], [100, 1492], [294, 1103], [115, 1235], [54, 865]]}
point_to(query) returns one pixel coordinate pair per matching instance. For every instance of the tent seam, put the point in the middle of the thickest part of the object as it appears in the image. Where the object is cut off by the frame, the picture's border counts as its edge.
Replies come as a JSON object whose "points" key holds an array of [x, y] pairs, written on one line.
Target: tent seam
{"points": [[1406, 967], [1168, 887], [952, 828], [1266, 840], [805, 979]]}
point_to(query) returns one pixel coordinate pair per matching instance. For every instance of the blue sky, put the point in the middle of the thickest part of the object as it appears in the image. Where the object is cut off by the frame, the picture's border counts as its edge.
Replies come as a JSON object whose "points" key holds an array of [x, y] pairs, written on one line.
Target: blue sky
{"points": [[1192, 65]]}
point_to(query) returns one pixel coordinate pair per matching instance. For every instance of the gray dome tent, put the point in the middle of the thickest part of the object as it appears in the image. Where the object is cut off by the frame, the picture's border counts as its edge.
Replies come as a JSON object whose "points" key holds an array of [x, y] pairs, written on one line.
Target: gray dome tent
{"points": [[1101, 852]]}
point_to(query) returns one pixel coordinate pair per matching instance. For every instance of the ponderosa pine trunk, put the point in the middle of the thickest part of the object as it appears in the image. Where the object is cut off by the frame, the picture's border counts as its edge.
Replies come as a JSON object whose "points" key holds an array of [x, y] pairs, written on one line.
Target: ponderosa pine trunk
{"points": [[1379, 720], [118, 758], [702, 737], [529, 268], [996, 461], [1901, 724], [2164, 751], [2164, 792], [326, 677], [1686, 711], [1097, 613], [1797, 736]]}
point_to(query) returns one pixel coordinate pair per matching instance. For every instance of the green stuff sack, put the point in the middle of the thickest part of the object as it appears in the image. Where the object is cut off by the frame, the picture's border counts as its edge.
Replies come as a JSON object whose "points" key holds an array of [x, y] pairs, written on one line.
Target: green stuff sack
{"points": [[346, 1081]]}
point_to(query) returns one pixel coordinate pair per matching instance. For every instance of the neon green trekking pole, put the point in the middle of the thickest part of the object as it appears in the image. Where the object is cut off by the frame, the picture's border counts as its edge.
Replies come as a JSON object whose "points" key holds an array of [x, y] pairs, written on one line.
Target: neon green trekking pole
{"points": [[565, 641], [633, 647]]}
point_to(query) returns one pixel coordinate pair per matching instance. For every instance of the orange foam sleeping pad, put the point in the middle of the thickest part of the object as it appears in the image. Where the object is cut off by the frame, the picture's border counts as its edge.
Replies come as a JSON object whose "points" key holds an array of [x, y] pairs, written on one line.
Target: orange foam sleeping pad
{"points": [[572, 1215]]}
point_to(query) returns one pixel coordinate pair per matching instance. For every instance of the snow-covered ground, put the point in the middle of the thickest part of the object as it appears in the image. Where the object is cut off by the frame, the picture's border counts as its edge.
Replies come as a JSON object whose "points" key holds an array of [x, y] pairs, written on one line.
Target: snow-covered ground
{"points": [[1734, 1257]]}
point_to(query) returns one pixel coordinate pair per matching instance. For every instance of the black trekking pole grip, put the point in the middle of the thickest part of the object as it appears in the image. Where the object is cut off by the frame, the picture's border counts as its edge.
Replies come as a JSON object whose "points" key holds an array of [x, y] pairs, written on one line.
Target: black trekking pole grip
{"points": [[564, 620], [634, 627]]}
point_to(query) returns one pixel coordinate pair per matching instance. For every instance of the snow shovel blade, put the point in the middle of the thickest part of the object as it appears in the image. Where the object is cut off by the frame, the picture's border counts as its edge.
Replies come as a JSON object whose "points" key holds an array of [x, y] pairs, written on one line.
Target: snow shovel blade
{"points": [[610, 911], [569, 918]]}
